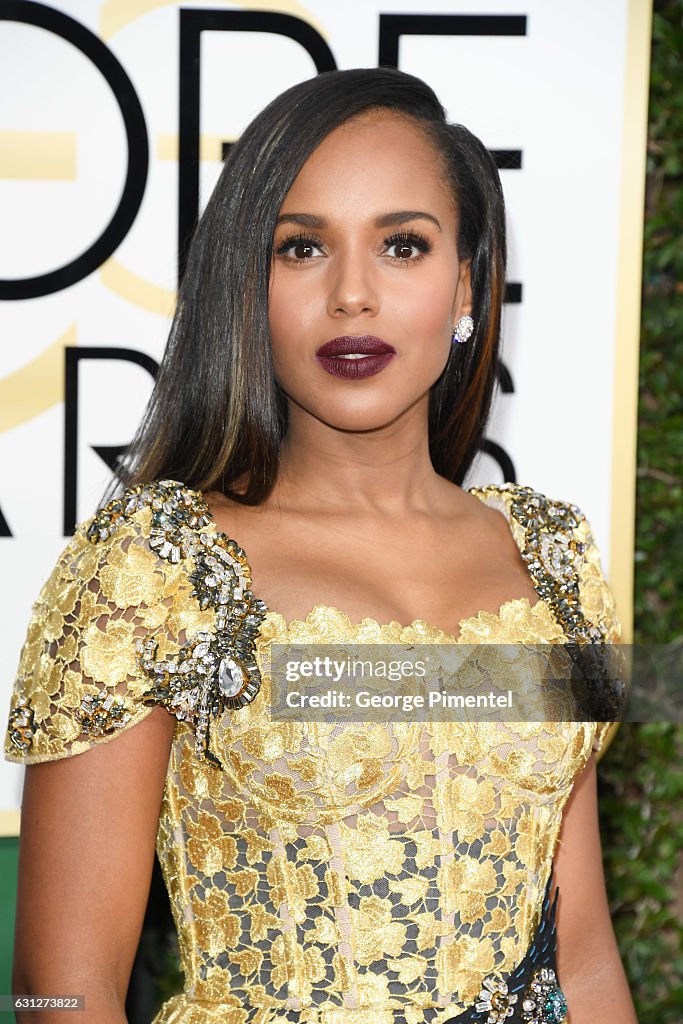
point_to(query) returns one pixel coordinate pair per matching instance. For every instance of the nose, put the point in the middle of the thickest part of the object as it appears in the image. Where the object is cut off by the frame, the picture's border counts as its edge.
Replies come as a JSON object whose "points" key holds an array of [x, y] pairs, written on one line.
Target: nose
{"points": [[352, 287]]}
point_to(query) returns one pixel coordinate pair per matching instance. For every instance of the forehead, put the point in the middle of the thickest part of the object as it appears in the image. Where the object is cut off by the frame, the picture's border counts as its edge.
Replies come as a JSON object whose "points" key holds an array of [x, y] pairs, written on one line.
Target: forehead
{"points": [[377, 160]]}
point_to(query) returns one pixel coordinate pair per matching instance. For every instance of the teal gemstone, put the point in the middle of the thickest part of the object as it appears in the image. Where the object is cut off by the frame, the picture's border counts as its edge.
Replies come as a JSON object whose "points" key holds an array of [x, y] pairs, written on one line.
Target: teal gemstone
{"points": [[556, 1007]]}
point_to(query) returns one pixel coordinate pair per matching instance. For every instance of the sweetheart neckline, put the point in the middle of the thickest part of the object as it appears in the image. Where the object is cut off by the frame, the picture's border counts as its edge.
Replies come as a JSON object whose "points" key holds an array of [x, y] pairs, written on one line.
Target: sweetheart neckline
{"points": [[480, 493], [451, 637]]}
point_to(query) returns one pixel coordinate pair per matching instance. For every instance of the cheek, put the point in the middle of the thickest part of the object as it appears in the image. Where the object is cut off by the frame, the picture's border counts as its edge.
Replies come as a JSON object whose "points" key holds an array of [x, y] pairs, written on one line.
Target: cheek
{"points": [[289, 317], [278, 309], [290, 309], [429, 308]]}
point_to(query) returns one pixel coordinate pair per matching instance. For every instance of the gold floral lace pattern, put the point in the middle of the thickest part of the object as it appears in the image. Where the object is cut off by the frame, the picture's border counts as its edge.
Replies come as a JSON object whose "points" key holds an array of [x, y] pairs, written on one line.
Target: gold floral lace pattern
{"points": [[384, 866], [214, 670], [326, 873], [78, 674]]}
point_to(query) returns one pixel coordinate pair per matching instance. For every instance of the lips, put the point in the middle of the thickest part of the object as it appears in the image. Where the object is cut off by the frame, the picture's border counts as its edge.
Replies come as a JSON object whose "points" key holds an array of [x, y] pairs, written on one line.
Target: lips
{"points": [[365, 345], [355, 358]]}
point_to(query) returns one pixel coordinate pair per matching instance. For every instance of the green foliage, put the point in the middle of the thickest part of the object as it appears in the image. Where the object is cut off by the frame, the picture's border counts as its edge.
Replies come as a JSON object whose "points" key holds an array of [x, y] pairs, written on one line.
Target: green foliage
{"points": [[641, 796], [641, 776], [659, 541]]}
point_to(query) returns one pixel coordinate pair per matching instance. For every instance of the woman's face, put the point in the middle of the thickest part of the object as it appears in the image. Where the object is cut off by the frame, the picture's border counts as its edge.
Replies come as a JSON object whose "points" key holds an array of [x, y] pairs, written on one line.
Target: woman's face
{"points": [[365, 257]]}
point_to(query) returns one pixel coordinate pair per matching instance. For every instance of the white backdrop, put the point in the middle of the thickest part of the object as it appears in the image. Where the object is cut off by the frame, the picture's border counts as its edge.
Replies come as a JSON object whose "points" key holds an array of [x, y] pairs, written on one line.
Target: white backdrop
{"points": [[556, 93]]}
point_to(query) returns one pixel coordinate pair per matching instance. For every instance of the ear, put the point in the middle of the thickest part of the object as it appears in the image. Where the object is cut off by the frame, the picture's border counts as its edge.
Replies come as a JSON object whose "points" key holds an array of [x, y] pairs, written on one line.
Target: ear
{"points": [[462, 302]]}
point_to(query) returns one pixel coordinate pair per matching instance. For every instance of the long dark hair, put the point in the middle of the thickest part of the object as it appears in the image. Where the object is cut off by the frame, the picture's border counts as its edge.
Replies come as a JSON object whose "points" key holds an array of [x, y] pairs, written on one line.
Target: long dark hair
{"points": [[217, 416]]}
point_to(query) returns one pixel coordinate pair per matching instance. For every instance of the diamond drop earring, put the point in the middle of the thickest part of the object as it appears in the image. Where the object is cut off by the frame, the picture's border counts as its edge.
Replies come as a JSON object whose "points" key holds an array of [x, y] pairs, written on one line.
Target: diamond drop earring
{"points": [[463, 330]]}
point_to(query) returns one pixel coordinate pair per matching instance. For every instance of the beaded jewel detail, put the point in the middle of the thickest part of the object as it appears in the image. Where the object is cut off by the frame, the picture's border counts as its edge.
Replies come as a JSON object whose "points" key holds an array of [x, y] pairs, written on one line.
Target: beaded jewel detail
{"points": [[495, 1000], [531, 994], [21, 727], [554, 555], [544, 1001], [101, 714], [213, 671]]}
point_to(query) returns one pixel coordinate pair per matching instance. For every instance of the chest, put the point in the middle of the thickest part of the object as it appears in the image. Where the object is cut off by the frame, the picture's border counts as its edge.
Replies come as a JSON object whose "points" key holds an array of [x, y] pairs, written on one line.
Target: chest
{"points": [[323, 772], [386, 572]]}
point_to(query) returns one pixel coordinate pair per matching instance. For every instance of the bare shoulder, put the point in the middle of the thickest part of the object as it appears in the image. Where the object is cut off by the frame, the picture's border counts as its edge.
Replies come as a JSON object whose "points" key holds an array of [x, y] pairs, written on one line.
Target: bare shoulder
{"points": [[466, 508], [243, 523]]}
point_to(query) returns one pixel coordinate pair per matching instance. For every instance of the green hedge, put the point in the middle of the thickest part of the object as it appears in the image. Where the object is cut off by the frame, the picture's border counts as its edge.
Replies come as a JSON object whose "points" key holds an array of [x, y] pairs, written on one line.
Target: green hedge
{"points": [[641, 776]]}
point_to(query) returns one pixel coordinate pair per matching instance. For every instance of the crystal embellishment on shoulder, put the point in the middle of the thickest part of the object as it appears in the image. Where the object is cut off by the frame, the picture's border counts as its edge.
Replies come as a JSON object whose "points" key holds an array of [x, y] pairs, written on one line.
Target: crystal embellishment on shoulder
{"points": [[214, 670], [554, 556]]}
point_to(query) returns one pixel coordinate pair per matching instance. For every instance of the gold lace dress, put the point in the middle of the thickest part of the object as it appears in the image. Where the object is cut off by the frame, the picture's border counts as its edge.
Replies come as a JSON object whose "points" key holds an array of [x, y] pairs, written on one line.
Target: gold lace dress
{"points": [[318, 873]]}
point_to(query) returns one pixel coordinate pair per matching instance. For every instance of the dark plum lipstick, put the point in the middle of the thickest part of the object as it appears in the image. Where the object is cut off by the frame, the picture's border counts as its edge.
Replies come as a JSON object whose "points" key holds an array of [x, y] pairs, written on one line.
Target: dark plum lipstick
{"points": [[354, 358]]}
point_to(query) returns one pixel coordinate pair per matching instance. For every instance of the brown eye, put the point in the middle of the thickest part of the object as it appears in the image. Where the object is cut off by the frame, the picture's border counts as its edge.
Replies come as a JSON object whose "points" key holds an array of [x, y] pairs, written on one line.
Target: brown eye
{"points": [[299, 249], [303, 250], [407, 246]]}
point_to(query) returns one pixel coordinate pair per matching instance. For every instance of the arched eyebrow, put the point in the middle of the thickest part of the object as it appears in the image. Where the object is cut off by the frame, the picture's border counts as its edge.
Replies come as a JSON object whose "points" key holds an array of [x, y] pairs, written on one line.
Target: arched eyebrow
{"points": [[385, 220], [392, 220]]}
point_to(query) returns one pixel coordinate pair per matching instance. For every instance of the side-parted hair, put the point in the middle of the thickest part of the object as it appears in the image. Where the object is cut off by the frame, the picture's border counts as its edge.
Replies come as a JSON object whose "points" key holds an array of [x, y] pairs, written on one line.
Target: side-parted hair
{"points": [[217, 416]]}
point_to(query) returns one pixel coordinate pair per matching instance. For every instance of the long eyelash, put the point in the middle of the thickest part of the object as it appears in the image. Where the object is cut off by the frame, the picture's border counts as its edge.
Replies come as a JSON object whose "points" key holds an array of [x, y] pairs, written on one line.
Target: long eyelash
{"points": [[298, 239], [420, 241]]}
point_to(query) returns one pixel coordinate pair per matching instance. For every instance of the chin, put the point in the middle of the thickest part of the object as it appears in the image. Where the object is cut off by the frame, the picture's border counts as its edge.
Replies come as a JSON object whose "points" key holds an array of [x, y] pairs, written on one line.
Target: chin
{"points": [[357, 425], [359, 412], [360, 420]]}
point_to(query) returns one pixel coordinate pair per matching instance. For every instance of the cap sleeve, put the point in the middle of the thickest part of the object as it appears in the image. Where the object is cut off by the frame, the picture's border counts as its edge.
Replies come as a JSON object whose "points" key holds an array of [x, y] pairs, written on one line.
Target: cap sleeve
{"points": [[79, 682], [557, 543], [598, 605], [597, 600], [148, 604]]}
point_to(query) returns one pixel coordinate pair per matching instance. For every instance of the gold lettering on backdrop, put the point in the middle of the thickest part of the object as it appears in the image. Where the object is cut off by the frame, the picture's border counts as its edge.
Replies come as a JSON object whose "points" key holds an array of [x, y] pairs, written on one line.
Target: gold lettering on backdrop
{"points": [[210, 146], [35, 387], [135, 289], [38, 156], [116, 14]]}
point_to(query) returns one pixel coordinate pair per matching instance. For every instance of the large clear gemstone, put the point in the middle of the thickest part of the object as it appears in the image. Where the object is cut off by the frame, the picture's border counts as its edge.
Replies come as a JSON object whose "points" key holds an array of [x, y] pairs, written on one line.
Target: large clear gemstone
{"points": [[230, 677]]}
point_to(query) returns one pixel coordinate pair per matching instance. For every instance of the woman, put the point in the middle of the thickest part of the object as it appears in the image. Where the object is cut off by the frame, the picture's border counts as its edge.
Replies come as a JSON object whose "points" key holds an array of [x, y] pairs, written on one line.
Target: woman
{"points": [[324, 392]]}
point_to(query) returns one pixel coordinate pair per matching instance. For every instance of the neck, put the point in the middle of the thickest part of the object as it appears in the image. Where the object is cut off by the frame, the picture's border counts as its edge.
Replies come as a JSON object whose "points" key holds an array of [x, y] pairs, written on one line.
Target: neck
{"points": [[387, 470]]}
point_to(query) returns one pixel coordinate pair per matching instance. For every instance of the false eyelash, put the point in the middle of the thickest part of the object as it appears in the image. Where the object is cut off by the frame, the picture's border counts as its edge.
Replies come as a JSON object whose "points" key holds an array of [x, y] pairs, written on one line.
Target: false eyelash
{"points": [[415, 238], [298, 239]]}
